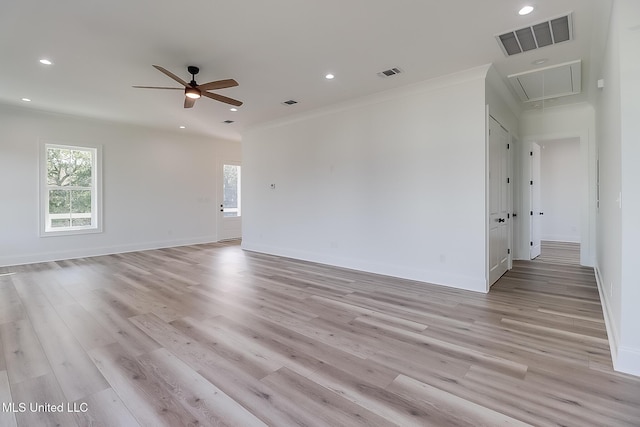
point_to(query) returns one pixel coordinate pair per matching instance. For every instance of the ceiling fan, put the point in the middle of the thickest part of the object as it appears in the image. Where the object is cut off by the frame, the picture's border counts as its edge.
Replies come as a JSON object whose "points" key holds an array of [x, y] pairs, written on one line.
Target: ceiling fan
{"points": [[193, 90]]}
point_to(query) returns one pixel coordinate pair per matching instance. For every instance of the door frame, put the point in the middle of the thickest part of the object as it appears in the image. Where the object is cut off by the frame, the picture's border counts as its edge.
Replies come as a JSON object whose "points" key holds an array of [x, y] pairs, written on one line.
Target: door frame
{"points": [[534, 185], [587, 193], [220, 196], [510, 196]]}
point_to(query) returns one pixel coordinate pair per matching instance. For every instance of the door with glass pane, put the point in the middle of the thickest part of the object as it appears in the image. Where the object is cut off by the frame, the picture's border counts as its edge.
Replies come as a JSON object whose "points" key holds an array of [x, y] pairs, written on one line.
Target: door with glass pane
{"points": [[230, 201]]}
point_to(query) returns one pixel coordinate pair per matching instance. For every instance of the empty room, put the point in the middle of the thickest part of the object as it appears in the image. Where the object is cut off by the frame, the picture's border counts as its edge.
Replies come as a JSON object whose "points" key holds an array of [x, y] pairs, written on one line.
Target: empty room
{"points": [[302, 213]]}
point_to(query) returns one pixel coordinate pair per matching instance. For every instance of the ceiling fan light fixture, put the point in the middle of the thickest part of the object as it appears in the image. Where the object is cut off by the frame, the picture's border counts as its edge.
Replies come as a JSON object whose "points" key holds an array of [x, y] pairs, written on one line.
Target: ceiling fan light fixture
{"points": [[192, 92]]}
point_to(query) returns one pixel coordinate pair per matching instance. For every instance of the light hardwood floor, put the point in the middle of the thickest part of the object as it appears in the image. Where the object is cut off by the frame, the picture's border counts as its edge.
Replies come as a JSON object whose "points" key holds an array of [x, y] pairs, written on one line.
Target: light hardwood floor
{"points": [[211, 335], [559, 253]]}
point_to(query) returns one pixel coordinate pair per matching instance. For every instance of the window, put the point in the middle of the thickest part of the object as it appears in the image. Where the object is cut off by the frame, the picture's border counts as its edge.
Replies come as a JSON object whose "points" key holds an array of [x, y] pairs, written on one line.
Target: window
{"points": [[70, 197], [231, 188]]}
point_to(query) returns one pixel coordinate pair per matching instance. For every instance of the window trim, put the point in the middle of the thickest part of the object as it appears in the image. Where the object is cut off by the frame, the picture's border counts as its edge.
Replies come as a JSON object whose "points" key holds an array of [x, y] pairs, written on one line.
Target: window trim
{"points": [[96, 188]]}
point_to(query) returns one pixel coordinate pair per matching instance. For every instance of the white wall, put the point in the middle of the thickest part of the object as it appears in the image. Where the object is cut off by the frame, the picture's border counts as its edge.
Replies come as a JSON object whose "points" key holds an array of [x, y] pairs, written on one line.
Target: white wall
{"points": [[567, 121], [392, 184], [619, 213], [158, 187], [560, 190]]}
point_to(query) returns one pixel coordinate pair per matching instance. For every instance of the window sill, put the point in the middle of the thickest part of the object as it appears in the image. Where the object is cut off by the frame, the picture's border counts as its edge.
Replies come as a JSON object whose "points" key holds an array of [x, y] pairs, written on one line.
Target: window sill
{"points": [[70, 232]]}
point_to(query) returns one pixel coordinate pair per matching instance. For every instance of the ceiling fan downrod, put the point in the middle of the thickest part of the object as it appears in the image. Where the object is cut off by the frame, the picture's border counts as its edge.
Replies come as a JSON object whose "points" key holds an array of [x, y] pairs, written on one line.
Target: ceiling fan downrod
{"points": [[193, 70]]}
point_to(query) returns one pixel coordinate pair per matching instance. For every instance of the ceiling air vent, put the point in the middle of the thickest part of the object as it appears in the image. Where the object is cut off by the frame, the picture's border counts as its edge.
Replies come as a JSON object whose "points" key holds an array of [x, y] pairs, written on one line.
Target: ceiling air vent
{"points": [[390, 72], [539, 35], [290, 102]]}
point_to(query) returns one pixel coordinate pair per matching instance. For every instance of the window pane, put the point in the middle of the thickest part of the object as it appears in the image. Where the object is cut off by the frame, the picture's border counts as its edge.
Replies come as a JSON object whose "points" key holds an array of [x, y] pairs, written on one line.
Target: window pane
{"points": [[68, 167], [59, 223], [59, 202], [81, 201], [82, 168], [231, 203], [80, 222]]}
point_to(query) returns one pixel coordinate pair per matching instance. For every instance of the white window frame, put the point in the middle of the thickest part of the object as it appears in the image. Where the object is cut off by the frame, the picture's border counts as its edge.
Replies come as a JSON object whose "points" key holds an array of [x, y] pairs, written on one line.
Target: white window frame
{"points": [[96, 191]]}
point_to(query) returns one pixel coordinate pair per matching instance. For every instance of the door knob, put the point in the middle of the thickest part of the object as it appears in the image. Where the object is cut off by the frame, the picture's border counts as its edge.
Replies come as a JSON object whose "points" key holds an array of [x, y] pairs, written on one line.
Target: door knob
{"points": [[500, 219], [541, 213]]}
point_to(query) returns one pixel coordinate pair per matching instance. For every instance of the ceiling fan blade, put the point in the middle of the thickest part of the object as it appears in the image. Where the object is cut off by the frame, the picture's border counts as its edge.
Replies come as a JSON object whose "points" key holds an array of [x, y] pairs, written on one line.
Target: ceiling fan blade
{"points": [[170, 74], [220, 84], [222, 98], [189, 102], [156, 87]]}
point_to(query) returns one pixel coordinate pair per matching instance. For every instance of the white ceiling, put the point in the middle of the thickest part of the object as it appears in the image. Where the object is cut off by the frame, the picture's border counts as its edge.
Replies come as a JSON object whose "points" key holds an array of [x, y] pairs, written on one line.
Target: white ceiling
{"points": [[277, 50]]}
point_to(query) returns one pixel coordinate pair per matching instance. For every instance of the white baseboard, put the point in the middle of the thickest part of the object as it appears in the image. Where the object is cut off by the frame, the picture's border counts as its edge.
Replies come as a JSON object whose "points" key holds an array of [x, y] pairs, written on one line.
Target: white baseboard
{"points": [[7, 261], [612, 332], [625, 359], [433, 277]]}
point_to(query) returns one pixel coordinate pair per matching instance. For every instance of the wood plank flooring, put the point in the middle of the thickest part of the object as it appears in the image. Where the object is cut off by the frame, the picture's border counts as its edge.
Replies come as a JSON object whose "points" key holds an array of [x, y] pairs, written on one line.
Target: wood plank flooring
{"points": [[212, 335], [559, 253]]}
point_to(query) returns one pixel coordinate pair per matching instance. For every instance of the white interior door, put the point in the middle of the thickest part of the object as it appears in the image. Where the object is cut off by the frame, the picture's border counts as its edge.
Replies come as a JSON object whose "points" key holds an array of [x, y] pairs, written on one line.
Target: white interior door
{"points": [[230, 201], [499, 217], [535, 213]]}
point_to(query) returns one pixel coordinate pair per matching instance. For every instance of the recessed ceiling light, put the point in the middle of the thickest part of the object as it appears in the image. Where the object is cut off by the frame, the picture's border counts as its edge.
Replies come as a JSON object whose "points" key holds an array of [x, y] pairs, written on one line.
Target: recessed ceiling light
{"points": [[233, 109], [329, 76], [182, 127], [526, 10], [26, 99], [45, 62], [540, 61]]}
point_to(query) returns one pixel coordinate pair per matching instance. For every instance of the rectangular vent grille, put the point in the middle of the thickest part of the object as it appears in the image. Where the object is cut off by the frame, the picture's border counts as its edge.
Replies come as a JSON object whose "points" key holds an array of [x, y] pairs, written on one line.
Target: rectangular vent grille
{"points": [[539, 35], [390, 72], [290, 102]]}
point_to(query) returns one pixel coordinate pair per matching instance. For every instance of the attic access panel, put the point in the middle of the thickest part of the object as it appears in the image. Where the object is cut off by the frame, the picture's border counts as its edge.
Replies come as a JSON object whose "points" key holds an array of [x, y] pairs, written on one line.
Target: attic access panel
{"points": [[549, 82]]}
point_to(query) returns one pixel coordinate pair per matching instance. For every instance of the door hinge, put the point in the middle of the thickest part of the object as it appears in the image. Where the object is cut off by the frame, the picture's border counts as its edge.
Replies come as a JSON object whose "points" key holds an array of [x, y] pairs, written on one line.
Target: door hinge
{"points": [[507, 146], [531, 243], [508, 215], [531, 213], [508, 181], [530, 182], [531, 153], [508, 251]]}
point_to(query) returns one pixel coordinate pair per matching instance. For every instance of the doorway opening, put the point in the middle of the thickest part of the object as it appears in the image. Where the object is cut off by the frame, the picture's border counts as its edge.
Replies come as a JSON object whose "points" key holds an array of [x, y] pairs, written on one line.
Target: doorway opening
{"points": [[555, 194], [230, 198]]}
